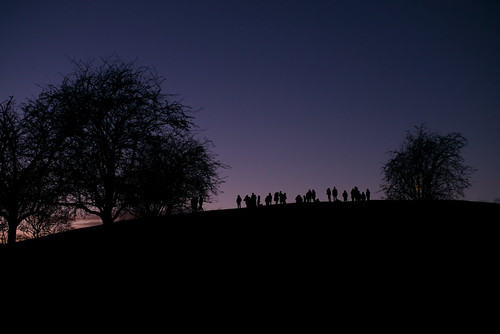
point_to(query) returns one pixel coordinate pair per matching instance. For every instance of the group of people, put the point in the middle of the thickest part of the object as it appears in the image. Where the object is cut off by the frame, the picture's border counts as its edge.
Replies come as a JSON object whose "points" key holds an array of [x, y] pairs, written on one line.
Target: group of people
{"points": [[357, 195], [253, 201]]}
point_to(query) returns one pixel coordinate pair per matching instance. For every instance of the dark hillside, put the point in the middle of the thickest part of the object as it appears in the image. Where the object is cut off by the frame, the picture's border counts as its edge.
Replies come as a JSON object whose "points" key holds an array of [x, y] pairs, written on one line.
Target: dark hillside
{"points": [[378, 260], [311, 225]]}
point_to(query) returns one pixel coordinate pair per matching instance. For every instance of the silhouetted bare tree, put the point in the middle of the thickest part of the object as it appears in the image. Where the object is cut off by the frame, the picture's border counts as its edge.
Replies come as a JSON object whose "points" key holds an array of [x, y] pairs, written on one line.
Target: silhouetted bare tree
{"points": [[428, 166], [171, 171], [50, 220], [28, 186], [108, 115]]}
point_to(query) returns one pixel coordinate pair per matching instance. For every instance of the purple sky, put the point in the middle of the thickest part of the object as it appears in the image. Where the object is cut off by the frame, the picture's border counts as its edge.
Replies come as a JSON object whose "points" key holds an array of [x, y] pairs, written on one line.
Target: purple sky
{"points": [[295, 95]]}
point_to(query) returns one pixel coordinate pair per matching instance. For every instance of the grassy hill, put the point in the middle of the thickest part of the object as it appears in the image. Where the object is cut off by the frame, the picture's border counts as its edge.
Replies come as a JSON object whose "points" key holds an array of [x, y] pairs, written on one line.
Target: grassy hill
{"points": [[312, 225]]}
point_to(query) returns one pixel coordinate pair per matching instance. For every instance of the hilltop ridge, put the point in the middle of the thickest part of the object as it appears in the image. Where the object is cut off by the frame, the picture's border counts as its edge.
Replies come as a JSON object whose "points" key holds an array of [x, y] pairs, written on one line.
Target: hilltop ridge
{"points": [[313, 222]]}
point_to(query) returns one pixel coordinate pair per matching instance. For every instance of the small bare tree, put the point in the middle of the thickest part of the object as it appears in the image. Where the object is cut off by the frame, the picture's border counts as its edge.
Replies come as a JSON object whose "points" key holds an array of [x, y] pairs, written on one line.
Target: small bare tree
{"points": [[50, 220], [428, 166]]}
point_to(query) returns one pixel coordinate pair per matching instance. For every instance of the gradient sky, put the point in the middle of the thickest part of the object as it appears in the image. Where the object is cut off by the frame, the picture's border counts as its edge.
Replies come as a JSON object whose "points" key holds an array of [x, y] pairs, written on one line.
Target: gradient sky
{"points": [[295, 95]]}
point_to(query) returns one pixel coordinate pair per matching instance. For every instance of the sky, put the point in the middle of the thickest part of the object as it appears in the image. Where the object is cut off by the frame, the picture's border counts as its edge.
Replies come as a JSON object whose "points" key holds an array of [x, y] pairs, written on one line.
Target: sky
{"points": [[294, 95]]}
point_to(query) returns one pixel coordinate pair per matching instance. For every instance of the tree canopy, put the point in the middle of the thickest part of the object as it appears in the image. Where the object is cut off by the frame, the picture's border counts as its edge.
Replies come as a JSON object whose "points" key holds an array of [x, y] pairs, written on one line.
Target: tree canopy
{"points": [[107, 141], [427, 166]]}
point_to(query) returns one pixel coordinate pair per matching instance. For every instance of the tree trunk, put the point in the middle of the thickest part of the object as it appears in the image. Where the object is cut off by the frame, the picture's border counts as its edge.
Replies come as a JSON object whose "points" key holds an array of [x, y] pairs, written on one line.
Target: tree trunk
{"points": [[107, 219], [12, 233]]}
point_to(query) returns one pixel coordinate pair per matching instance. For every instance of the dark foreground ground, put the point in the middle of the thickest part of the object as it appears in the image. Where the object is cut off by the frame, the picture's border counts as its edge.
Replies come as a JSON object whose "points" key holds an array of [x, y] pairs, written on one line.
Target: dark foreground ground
{"points": [[321, 226], [377, 265]]}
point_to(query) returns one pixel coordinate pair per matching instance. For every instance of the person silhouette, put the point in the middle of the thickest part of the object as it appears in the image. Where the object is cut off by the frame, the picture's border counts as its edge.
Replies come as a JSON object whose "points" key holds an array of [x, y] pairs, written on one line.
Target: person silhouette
{"points": [[308, 196], [298, 199], [329, 194], [238, 201], [335, 193], [344, 195], [269, 199], [367, 193]]}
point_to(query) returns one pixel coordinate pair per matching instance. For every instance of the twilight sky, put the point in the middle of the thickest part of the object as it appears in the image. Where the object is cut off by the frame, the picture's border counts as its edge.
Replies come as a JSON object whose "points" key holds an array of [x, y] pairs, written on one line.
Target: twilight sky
{"points": [[295, 95]]}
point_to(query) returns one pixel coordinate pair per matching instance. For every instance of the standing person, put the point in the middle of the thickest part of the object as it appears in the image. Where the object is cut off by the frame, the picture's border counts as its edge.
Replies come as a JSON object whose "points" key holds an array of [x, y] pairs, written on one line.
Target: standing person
{"points": [[238, 201], [329, 194], [269, 199], [253, 200], [367, 193], [335, 193], [283, 198], [298, 199], [355, 192], [344, 194]]}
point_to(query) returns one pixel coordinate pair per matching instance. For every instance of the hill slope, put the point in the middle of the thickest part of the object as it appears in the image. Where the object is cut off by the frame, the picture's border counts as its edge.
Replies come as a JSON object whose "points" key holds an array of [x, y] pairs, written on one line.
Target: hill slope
{"points": [[309, 224], [376, 263]]}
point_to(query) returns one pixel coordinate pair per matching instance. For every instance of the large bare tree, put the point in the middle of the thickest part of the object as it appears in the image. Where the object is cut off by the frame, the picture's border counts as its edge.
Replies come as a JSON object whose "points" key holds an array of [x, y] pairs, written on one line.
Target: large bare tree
{"points": [[108, 113]]}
